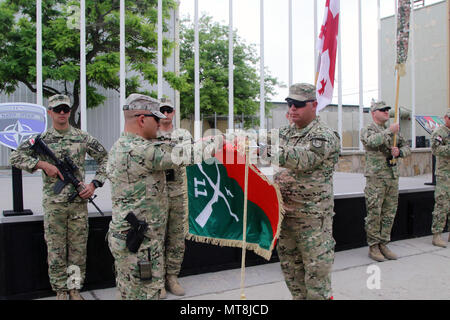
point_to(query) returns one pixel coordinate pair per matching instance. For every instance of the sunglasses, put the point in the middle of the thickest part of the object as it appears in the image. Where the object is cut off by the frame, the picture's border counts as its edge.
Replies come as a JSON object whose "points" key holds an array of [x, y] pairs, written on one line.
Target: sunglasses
{"points": [[166, 109], [148, 115], [384, 109], [63, 107], [296, 103]]}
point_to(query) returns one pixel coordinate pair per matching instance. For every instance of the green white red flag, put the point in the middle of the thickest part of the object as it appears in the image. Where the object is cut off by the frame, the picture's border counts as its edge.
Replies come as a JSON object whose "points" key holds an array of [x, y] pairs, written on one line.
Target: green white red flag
{"points": [[215, 204]]}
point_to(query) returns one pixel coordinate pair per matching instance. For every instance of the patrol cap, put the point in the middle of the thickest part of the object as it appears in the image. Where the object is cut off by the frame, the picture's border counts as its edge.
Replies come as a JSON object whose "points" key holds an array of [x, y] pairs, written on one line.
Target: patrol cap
{"points": [[448, 113], [302, 92], [166, 102], [58, 99], [377, 105], [136, 101]]}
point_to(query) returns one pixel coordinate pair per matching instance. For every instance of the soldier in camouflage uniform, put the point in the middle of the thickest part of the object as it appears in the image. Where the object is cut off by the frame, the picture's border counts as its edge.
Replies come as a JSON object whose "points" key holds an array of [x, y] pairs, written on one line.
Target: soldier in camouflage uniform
{"points": [[175, 234], [308, 150], [136, 168], [381, 191], [138, 184], [65, 224], [440, 147]]}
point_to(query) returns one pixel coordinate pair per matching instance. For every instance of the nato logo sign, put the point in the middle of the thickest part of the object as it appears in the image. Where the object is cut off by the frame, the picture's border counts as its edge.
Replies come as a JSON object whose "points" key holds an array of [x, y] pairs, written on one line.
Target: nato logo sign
{"points": [[19, 121]]}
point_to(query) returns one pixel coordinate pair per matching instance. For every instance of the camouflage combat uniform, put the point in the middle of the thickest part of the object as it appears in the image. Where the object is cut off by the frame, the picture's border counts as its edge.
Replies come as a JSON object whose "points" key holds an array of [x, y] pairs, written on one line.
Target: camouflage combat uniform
{"points": [[65, 224], [306, 244], [440, 147], [136, 170], [381, 191], [175, 233]]}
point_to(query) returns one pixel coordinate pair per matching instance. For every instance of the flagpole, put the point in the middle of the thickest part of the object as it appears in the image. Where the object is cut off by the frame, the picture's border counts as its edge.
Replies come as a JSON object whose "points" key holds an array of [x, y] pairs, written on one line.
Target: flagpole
{"points": [[230, 68], [262, 94], [361, 87], [160, 51], [197, 125], [39, 97], [316, 58], [83, 82], [244, 230], [122, 95]]}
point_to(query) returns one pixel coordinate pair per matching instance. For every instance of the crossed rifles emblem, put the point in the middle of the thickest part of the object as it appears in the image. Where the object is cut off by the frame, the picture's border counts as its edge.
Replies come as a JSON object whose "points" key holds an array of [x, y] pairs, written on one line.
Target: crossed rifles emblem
{"points": [[204, 216]]}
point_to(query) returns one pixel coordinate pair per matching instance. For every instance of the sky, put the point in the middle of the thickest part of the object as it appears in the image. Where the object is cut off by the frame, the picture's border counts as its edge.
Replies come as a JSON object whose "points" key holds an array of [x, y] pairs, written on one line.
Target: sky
{"points": [[246, 20]]}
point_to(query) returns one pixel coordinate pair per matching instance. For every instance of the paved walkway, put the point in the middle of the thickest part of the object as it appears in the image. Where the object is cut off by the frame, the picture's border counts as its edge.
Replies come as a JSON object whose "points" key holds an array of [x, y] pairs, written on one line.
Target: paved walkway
{"points": [[421, 272]]}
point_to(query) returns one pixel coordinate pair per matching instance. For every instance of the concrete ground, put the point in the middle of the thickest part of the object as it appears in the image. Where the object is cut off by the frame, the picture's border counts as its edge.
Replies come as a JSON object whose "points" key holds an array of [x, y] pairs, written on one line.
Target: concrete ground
{"points": [[422, 272]]}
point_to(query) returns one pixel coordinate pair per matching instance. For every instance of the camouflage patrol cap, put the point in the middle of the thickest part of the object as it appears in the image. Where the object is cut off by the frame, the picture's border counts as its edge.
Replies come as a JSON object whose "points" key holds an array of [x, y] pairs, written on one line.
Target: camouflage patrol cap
{"points": [[137, 101], [166, 102], [377, 105], [302, 92], [58, 99], [448, 113]]}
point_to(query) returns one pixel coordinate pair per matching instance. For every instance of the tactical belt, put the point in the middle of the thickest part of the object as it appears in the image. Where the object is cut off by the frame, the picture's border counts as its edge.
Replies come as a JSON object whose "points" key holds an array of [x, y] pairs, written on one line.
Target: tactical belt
{"points": [[121, 236]]}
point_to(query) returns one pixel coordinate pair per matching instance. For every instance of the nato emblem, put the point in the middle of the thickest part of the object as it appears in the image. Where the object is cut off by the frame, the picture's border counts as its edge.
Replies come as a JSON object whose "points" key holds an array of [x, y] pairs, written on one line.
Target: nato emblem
{"points": [[20, 121]]}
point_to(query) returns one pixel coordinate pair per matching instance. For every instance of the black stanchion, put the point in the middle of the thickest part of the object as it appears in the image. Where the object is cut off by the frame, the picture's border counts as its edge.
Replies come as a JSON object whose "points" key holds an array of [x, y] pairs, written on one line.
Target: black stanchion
{"points": [[433, 179], [17, 196]]}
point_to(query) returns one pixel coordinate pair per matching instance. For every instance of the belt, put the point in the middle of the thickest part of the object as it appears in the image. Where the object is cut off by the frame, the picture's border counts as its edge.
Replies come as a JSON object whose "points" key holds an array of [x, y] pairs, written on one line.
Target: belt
{"points": [[118, 235]]}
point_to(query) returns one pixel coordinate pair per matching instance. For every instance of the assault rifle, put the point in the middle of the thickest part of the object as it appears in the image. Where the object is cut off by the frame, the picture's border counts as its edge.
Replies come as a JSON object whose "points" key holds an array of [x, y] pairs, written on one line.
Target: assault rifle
{"points": [[66, 167]]}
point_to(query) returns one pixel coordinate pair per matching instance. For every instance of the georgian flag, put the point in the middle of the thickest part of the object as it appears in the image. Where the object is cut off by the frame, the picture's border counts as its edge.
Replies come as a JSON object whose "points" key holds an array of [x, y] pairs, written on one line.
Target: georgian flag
{"points": [[327, 48]]}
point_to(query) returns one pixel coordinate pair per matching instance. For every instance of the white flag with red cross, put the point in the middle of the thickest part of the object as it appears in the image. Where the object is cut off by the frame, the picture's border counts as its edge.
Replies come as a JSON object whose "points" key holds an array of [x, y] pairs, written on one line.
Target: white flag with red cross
{"points": [[327, 49]]}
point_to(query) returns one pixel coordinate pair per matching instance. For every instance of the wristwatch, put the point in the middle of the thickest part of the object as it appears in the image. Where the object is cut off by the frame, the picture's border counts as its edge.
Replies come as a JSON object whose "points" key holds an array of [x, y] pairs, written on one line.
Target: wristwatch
{"points": [[97, 184]]}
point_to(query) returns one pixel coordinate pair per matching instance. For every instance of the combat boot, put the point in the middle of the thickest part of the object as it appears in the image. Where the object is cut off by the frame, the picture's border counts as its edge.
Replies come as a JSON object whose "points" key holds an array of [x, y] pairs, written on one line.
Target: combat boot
{"points": [[173, 286], [375, 254], [437, 241], [449, 237], [387, 253], [75, 295], [163, 294], [61, 295]]}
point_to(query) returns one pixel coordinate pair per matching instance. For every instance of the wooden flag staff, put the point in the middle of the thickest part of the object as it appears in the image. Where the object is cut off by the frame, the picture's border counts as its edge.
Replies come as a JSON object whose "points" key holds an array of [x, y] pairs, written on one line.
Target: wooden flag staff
{"points": [[393, 161], [244, 231]]}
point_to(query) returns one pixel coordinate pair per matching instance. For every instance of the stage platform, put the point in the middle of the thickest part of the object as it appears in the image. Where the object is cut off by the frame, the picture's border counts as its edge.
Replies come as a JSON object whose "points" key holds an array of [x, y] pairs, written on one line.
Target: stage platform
{"points": [[23, 267]]}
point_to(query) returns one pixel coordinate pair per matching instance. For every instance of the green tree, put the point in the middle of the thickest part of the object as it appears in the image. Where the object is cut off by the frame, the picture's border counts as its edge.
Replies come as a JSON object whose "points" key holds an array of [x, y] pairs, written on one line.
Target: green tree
{"points": [[61, 47], [213, 41]]}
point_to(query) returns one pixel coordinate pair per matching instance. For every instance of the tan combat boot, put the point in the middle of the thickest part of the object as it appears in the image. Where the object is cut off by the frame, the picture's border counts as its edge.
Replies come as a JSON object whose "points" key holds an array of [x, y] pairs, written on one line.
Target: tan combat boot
{"points": [[173, 286], [387, 253], [437, 241], [61, 295], [375, 254], [163, 294], [449, 237], [75, 295]]}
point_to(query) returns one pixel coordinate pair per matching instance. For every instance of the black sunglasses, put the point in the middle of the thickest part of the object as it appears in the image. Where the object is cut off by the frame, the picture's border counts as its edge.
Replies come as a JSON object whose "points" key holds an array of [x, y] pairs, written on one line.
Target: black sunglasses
{"points": [[166, 109], [296, 103], [384, 109], [148, 115], [63, 107]]}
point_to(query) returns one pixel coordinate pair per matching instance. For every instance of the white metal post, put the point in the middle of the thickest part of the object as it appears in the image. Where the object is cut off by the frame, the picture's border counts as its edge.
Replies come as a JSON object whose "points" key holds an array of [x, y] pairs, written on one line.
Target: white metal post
{"points": [[197, 124], [39, 93], [290, 44], [230, 69], [413, 80], [83, 104], [262, 98], [361, 101], [340, 81], [160, 64], [122, 64]]}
